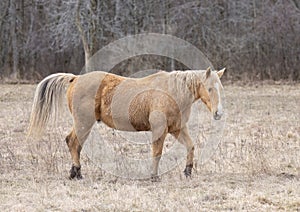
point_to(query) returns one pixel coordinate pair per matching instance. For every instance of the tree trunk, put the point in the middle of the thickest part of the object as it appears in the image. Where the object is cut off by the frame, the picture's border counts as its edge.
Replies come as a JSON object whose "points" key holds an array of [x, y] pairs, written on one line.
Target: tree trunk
{"points": [[15, 52], [87, 53], [93, 27]]}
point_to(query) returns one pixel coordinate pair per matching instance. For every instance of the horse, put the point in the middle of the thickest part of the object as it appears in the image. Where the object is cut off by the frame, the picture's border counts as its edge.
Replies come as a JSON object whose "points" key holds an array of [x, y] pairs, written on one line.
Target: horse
{"points": [[160, 103]]}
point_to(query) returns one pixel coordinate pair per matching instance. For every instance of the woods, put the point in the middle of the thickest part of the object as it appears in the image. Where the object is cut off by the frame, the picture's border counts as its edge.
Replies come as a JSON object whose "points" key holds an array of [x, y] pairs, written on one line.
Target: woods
{"points": [[255, 40]]}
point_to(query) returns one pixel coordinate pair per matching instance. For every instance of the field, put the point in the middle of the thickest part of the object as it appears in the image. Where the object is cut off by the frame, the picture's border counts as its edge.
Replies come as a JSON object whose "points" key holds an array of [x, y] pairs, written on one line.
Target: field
{"points": [[255, 168]]}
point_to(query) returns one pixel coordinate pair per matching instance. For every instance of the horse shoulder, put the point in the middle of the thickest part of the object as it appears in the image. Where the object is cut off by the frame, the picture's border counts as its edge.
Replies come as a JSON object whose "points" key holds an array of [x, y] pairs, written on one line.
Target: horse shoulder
{"points": [[104, 96]]}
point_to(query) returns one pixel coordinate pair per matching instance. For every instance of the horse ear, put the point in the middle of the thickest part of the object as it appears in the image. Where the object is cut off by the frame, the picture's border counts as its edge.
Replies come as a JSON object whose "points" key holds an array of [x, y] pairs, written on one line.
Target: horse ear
{"points": [[208, 72], [221, 72]]}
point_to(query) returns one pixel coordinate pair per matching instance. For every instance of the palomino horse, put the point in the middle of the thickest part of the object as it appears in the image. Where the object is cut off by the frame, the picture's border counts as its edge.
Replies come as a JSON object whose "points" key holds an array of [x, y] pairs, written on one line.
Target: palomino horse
{"points": [[160, 103]]}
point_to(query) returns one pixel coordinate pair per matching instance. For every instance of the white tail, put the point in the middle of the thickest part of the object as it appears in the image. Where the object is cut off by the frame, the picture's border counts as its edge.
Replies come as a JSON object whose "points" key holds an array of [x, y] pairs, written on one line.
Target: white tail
{"points": [[48, 98]]}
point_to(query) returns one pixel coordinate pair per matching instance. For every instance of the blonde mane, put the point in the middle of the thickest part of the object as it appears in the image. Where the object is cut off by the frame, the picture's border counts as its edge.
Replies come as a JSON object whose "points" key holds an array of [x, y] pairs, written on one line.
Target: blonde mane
{"points": [[186, 83]]}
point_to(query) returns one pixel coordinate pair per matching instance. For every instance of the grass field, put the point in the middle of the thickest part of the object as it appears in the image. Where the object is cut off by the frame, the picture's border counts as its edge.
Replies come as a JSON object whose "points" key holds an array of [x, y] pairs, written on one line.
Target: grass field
{"points": [[256, 166]]}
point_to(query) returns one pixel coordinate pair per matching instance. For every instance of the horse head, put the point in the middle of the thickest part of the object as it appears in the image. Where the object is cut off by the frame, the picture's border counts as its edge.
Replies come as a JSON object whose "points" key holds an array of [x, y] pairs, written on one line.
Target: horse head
{"points": [[213, 88]]}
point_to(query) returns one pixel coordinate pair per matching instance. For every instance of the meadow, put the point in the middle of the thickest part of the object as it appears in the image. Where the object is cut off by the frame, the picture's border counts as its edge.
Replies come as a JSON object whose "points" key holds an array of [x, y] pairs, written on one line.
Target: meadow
{"points": [[255, 167]]}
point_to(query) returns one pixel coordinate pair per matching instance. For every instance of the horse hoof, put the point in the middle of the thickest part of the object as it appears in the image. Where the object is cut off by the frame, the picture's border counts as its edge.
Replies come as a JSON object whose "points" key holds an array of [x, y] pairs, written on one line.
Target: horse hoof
{"points": [[188, 171], [75, 173]]}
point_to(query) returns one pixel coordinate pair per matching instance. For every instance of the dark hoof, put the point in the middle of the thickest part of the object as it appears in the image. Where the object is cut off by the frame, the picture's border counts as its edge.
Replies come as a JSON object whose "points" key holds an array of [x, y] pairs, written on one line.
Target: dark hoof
{"points": [[155, 178], [188, 170], [75, 173]]}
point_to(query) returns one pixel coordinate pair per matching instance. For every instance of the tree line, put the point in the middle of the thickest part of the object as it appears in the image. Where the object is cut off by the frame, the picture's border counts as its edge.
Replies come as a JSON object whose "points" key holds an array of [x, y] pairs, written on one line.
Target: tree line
{"points": [[255, 40]]}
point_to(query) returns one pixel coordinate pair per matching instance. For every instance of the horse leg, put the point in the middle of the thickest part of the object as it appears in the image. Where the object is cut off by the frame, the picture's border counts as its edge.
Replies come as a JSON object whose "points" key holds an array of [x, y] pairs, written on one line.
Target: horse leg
{"points": [[74, 148], [82, 107], [185, 139], [157, 147], [159, 132], [75, 141]]}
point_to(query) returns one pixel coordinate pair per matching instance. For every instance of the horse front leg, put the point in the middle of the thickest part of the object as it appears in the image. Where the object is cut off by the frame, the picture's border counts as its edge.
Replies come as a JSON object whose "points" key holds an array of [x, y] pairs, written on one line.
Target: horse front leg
{"points": [[157, 147], [159, 132], [185, 139], [75, 149]]}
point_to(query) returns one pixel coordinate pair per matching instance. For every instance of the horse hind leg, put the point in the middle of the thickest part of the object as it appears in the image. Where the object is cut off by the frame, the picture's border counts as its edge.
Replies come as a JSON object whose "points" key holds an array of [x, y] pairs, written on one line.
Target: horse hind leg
{"points": [[75, 149], [75, 141], [81, 103]]}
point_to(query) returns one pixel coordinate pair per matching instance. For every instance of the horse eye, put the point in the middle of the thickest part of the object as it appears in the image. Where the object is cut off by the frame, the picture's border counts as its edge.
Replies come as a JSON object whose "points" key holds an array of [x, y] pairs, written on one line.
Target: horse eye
{"points": [[210, 89]]}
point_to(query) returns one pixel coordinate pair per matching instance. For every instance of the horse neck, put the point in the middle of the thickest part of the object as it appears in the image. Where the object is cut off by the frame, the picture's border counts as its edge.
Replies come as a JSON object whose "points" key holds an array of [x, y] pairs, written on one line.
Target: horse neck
{"points": [[194, 82], [185, 86]]}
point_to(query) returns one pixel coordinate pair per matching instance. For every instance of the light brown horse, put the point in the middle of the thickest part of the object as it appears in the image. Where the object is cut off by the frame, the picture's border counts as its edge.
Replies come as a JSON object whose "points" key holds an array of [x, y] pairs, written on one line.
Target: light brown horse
{"points": [[160, 103]]}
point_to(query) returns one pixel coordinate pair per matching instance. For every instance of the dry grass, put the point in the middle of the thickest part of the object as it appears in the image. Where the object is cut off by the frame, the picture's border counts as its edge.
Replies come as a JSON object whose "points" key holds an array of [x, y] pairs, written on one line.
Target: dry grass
{"points": [[256, 167]]}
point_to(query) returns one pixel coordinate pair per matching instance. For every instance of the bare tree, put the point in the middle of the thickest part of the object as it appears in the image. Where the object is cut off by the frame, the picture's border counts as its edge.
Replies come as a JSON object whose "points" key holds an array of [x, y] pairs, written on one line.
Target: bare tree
{"points": [[88, 36], [255, 39]]}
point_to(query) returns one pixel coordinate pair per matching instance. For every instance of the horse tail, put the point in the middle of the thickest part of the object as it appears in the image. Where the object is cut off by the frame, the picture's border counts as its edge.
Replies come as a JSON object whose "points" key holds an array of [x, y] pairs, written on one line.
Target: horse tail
{"points": [[48, 99]]}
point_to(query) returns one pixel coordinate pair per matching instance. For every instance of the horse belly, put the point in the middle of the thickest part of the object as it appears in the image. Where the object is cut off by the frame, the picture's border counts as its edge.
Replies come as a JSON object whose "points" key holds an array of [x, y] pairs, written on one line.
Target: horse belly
{"points": [[139, 119], [128, 117]]}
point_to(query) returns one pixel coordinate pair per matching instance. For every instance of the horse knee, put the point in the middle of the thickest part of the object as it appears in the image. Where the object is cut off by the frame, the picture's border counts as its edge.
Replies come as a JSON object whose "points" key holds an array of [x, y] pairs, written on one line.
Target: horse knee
{"points": [[67, 139], [157, 147], [191, 151], [74, 146], [71, 140]]}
